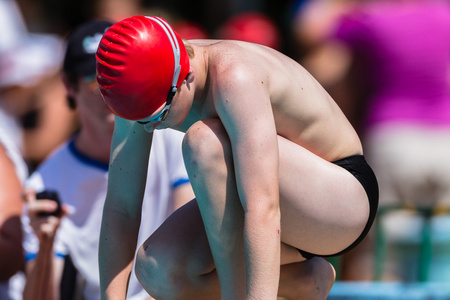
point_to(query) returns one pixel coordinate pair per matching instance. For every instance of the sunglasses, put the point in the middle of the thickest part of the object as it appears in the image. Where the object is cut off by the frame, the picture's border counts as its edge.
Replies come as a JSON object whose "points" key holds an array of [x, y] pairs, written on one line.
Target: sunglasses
{"points": [[162, 115]]}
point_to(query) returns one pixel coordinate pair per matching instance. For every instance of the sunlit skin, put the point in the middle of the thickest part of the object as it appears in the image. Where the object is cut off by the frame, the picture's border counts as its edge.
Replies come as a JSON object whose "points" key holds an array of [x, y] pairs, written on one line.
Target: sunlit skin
{"points": [[260, 136]]}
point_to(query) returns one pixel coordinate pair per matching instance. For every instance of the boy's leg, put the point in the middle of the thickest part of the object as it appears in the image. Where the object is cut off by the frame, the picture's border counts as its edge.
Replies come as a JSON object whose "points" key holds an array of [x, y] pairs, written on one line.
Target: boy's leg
{"points": [[176, 263], [208, 157], [307, 280], [324, 208]]}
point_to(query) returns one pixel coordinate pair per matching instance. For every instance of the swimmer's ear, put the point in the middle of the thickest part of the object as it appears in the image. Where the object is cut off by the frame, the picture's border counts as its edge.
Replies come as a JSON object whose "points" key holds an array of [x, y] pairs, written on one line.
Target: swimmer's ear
{"points": [[190, 76]]}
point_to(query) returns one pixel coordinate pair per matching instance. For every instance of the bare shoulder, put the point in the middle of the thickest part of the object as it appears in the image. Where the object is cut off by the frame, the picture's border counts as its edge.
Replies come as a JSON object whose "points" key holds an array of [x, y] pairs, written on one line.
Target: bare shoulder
{"points": [[242, 63], [238, 62], [238, 69], [244, 77]]}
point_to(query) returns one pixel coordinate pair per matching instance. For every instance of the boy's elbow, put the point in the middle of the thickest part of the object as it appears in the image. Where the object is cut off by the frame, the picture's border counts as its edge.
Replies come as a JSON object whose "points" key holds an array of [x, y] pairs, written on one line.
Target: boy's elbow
{"points": [[264, 211]]}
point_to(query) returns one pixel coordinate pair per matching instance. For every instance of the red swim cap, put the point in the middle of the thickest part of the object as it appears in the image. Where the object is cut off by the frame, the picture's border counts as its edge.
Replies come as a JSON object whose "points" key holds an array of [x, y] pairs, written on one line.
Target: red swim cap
{"points": [[140, 60]]}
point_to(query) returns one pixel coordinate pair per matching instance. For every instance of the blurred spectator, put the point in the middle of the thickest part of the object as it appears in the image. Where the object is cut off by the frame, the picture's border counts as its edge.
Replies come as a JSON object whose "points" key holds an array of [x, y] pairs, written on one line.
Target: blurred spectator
{"points": [[31, 96], [12, 23], [13, 33], [190, 30], [13, 173], [314, 20], [329, 62], [78, 171], [251, 27], [117, 10], [396, 62]]}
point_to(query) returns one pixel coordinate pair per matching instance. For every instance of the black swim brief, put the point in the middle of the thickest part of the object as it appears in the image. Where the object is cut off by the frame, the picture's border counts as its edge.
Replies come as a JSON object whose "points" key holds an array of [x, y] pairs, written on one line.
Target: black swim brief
{"points": [[358, 166]]}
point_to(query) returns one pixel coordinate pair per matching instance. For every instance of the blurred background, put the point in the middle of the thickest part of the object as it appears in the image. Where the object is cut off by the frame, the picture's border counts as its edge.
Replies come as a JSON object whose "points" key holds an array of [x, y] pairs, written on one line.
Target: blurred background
{"points": [[386, 63]]}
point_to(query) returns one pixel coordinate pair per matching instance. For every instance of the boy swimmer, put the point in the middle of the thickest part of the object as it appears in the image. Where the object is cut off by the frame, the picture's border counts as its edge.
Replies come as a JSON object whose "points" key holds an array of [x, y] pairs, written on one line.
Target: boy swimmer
{"points": [[278, 171]]}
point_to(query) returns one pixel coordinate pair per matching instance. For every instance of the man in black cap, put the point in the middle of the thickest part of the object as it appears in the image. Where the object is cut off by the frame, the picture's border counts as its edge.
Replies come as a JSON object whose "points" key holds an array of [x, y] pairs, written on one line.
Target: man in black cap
{"points": [[79, 60], [78, 172]]}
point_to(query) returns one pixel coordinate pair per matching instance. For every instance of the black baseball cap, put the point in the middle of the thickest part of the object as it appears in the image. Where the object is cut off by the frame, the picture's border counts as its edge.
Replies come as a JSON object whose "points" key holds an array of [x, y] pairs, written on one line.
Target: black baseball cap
{"points": [[82, 45]]}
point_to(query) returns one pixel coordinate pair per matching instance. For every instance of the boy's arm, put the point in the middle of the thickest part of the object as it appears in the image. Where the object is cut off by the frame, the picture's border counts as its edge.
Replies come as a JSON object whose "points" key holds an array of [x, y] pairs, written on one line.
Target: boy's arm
{"points": [[246, 112], [130, 150]]}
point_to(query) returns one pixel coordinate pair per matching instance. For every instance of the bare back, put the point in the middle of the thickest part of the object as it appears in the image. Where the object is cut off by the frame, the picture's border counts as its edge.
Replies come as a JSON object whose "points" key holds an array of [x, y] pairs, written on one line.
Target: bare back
{"points": [[303, 111]]}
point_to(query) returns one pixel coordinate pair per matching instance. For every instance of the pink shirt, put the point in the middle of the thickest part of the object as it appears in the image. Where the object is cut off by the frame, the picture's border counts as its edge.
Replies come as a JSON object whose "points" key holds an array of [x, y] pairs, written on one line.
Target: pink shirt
{"points": [[405, 47]]}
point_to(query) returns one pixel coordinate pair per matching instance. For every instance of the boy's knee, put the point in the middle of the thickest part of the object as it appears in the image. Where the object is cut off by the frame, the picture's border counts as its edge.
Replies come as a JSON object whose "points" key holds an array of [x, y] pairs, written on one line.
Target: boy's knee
{"points": [[311, 279], [156, 274], [319, 277], [205, 141]]}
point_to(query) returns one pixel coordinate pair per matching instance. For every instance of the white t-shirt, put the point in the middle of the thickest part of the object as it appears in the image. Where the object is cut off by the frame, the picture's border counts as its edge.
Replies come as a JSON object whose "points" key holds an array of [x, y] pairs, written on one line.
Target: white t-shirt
{"points": [[82, 183]]}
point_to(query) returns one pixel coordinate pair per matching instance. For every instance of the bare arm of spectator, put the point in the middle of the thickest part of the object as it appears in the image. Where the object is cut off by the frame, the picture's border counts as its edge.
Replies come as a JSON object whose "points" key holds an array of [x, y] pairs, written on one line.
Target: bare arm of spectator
{"points": [[11, 253], [44, 272]]}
